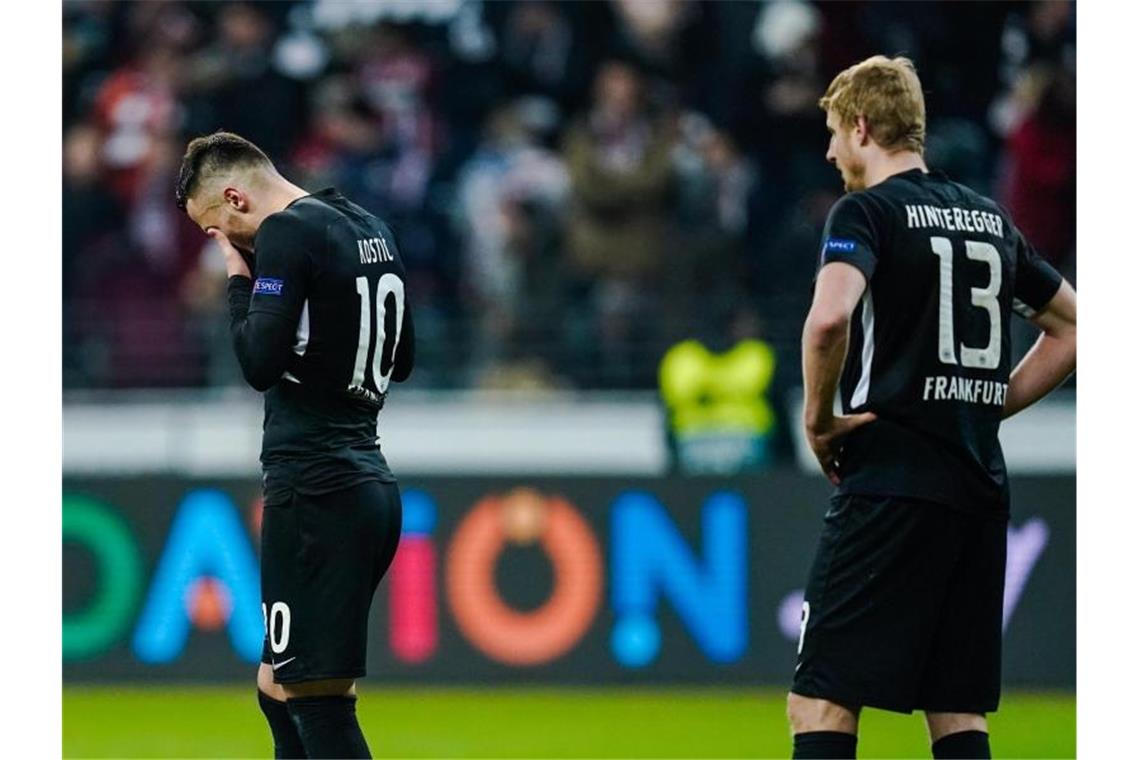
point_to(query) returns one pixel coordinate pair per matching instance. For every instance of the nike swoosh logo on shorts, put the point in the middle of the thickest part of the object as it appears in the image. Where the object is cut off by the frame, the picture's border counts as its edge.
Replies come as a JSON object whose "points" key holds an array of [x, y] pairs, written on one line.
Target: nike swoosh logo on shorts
{"points": [[277, 665]]}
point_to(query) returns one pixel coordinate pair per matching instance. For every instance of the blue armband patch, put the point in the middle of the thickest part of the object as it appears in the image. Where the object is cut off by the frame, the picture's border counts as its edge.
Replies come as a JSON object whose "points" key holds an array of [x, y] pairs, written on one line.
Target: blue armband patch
{"points": [[839, 244], [268, 286]]}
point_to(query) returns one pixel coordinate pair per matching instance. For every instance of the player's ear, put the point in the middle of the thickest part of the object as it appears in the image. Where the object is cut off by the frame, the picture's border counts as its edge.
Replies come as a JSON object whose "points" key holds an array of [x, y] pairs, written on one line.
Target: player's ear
{"points": [[862, 130], [235, 198]]}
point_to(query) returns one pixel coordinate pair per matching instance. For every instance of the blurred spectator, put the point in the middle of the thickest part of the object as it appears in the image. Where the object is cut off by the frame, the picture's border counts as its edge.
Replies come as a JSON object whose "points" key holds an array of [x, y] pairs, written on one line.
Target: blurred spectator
{"points": [[1040, 32], [235, 83], [541, 54], [395, 80], [94, 215], [344, 135], [780, 281], [785, 119], [668, 38], [618, 156], [91, 242], [1041, 171], [527, 320], [149, 340], [715, 188], [88, 35], [960, 148], [507, 207], [136, 106]]}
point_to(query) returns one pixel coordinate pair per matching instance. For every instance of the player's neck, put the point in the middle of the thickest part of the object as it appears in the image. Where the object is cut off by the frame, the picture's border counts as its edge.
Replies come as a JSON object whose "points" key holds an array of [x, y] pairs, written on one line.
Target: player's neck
{"points": [[890, 164], [285, 193], [278, 194]]}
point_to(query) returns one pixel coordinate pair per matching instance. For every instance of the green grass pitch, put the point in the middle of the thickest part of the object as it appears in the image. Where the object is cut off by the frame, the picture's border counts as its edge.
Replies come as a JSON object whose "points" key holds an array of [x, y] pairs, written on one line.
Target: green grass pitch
{"points": [[196, 721]]}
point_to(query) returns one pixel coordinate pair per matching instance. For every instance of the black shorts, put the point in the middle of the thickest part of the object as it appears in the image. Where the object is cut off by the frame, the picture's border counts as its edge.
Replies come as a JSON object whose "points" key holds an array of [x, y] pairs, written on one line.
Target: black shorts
{"points": [[903, 609], [321, 560]]}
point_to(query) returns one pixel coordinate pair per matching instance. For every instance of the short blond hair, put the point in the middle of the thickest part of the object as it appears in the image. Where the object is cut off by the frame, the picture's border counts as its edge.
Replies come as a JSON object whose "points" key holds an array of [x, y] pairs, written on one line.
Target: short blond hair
{"points": [[887, 92]]}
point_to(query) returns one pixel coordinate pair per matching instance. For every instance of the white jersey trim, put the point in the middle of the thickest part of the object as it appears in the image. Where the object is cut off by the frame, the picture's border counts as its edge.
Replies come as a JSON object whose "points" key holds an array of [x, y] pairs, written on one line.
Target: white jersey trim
{"points": [[1023, 309], [863, 387], [302, 341]]}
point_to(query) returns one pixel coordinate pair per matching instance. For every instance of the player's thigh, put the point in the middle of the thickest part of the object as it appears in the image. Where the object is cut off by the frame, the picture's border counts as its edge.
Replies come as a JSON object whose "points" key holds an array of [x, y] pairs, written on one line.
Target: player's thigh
{"points": [[963, 673], [322, 558], [872, 600], [281, 579], [349, 538]]}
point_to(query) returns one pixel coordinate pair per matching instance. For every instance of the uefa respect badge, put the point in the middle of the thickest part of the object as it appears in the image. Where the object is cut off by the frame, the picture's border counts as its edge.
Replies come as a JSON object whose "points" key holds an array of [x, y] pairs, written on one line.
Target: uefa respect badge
{"points": [[837, 245], [268, 286]]}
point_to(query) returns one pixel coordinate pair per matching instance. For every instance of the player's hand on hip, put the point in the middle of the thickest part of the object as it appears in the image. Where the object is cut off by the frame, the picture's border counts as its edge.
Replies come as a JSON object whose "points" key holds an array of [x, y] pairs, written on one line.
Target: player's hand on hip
{"points": [[826, 439], [235, 264]]}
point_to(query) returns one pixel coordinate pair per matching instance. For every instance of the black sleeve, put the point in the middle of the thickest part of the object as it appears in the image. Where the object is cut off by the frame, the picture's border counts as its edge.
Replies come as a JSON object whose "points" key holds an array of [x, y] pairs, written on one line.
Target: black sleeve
{"points": [[1036, 281], [849, 236], [406, 349], [264, 315]]}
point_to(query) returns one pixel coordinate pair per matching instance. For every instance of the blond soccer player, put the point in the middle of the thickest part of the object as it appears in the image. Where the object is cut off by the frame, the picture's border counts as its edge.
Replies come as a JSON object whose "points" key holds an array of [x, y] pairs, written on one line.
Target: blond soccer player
{"points": [[919, 277]]}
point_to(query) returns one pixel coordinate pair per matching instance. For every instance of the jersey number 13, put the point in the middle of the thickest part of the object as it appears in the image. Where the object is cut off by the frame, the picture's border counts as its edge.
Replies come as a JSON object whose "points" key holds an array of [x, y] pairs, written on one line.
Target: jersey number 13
{"points": [[982, 298]]}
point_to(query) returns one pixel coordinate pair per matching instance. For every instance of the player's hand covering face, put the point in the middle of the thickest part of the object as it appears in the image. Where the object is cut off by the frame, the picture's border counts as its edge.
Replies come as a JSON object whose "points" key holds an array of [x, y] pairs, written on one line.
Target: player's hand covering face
{"points": [[230, 214], [235, 264]]}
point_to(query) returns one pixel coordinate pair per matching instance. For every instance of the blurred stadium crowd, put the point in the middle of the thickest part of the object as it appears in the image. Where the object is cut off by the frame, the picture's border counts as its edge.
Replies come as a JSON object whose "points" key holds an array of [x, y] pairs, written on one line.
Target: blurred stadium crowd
{"points": [[575, 187]]}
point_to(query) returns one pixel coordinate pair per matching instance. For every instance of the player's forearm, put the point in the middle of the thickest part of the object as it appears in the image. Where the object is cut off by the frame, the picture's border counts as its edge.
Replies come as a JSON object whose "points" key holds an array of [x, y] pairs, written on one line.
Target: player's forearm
{"points": [[1052, 359], [257, 342], [824, 351]]}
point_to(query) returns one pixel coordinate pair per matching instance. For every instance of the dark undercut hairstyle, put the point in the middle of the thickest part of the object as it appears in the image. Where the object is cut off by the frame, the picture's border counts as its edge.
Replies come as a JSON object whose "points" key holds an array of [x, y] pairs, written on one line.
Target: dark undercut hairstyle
{"points": [[214, 154]]}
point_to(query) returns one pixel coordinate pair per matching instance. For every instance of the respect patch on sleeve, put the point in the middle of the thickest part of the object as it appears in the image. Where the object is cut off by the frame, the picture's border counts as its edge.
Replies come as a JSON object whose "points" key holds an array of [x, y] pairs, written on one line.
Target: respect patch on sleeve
{"points": [[268, 286], [839, 244]]}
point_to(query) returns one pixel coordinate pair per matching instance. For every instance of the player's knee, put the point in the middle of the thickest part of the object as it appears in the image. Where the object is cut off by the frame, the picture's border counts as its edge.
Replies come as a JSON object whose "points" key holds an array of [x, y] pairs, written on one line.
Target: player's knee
{"points": [[266, 685], [330, 687], [811, 714], [944, 724]]}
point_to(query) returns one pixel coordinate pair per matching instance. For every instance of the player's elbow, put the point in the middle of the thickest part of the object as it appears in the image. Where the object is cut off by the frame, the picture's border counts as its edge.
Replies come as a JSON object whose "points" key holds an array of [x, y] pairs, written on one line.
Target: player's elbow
{"points": [[1060, 338], [1062, 330], [259, 383], [260, 378], [825, 327]]}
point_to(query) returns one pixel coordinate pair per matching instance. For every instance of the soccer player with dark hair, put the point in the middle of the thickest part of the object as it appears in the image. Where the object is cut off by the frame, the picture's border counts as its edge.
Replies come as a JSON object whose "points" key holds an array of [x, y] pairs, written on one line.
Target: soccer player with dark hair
{"points": [[321, 326], [910, 321]]}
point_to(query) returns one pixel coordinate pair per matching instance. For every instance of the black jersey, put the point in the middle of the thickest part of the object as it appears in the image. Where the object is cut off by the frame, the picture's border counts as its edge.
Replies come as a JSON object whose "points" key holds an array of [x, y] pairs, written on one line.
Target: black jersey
{"points": [[323, 329], [930, 350]]}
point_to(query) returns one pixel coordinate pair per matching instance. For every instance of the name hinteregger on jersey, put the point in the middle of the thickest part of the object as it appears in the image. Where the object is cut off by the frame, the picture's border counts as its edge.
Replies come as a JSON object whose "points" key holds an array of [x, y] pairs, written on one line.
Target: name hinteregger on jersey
{"points": [[949, 388], [953, 219]]}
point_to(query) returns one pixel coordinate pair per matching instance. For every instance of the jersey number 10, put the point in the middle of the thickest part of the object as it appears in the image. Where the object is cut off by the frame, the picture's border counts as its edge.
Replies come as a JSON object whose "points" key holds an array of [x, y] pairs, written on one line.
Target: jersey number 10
{"points": [[389, 285], [982, 298]]}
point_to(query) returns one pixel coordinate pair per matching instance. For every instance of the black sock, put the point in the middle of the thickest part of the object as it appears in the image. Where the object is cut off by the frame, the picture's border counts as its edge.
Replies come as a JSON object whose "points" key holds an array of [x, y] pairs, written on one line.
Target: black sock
{"points": [[963, 745], [286, 740], [328, 726], [823, 744]]}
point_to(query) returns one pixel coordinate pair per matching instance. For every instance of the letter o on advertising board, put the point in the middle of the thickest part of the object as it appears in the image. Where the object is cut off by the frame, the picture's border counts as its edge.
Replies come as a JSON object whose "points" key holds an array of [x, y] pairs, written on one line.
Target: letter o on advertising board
{"points": [[88, 632], [502, 633]]}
